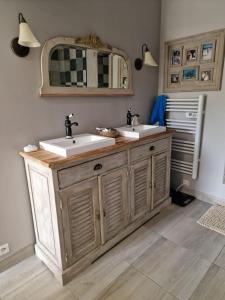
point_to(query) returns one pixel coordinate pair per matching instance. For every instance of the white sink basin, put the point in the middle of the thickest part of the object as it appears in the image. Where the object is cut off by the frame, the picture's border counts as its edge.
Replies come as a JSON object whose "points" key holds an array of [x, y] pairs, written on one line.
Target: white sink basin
{"points": [[140, 131], [78, 144]]}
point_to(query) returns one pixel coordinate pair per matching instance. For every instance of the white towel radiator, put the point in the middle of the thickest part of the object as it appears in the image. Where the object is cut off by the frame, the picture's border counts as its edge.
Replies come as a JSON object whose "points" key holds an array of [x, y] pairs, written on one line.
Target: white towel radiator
{"points": [[186, 117]]}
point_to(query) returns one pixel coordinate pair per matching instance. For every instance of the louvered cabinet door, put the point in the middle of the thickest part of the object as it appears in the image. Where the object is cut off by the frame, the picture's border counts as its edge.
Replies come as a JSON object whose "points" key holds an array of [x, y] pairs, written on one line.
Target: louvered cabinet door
{"points": [[113, 203], [140, 189], [160, 178], [80, 210]]}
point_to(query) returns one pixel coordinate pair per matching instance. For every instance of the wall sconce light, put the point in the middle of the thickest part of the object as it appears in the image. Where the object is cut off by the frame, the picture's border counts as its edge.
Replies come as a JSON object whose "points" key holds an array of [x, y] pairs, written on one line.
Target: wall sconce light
{"points": [[21, 45], [147, 58]]}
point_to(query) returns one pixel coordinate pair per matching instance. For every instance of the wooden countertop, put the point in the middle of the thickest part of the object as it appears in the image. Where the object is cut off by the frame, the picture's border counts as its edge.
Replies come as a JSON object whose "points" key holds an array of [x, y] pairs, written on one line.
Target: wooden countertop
{"points": [[53, 161]]}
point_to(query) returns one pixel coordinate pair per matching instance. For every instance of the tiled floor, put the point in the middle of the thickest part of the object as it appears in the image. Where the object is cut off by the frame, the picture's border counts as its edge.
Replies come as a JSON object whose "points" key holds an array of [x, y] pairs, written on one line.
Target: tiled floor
{"points": [[170, 257]]}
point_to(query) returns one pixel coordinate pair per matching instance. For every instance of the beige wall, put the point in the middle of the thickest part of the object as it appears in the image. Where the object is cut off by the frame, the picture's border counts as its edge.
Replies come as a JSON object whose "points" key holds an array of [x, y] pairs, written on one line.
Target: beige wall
{"points": [[27, 118], [182, 18]]}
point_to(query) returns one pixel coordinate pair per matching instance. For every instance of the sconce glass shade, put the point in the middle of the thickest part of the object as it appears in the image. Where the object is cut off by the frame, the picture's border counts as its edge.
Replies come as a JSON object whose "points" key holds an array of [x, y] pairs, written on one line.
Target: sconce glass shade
{"points": [[149, 60], [26, 36], [21, 45]]}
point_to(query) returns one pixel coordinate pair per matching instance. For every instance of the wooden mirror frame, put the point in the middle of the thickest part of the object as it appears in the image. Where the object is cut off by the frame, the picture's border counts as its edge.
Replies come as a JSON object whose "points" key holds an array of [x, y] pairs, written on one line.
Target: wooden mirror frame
{"points": [[90, 41]]}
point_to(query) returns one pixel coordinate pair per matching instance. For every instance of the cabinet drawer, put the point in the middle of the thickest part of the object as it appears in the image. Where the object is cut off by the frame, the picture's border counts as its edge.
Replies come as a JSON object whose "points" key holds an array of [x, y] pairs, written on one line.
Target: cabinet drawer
{"points": [[69, 176], [146, 150]]}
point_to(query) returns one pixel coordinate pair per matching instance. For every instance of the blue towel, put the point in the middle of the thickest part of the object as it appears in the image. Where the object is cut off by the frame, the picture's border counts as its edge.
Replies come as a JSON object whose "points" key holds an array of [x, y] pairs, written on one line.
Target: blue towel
{"points": [[158, 111]]}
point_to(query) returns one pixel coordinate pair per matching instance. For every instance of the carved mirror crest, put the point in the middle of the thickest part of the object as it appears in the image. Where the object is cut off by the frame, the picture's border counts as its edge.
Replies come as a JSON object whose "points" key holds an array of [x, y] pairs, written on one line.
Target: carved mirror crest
{"points": [[84, 66]]}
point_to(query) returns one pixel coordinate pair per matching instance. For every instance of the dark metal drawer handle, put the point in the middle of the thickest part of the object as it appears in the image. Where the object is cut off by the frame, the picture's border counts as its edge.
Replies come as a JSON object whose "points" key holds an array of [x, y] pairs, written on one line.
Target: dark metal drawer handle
{"points": [[152, 148], [97, 167]]}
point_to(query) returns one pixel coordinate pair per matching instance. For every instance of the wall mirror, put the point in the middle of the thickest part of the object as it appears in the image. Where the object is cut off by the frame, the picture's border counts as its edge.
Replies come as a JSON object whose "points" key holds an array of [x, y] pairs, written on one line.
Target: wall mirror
{"points": [[84, 66]]}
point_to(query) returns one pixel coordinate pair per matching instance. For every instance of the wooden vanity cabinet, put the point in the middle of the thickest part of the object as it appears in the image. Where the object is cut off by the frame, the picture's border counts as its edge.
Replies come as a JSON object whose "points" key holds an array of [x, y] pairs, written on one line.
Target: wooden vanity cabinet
{"points": [[150, 184], [82, 208], [113, 202], [95, 209], [80, 218], [160, 178], [140, 194]]}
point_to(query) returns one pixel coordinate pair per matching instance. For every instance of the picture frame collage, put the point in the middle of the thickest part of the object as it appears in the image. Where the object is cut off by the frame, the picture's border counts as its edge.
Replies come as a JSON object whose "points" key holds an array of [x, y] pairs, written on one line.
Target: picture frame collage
{"points": [[194, 63]]}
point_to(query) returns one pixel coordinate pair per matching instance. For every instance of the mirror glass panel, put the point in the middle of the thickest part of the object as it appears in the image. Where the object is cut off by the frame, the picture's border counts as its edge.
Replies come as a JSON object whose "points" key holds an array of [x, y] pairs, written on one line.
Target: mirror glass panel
{"points": [[82, 67]]}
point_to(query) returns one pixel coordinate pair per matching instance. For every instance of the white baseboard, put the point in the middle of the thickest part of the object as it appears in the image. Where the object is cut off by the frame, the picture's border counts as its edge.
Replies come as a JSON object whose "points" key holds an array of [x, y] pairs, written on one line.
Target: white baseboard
{"points": [[14, 259], [203, 196]]}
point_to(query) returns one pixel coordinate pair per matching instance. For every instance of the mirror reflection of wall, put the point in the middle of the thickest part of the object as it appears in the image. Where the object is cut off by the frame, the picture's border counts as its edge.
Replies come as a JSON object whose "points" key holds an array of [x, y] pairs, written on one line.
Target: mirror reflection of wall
{"points": [[119, 78], [83, 67], [68, 67]]}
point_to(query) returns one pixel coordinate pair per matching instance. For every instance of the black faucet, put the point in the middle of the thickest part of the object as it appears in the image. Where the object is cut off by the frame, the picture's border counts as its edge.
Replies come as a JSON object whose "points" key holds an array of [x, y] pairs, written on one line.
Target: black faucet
{"points": [[68, 126], [130, 117]]}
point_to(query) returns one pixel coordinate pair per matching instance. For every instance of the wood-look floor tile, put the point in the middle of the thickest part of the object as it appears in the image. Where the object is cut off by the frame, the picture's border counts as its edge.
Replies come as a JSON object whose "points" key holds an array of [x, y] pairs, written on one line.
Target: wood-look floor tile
{"points": [[133, 285], [174, 268], [196, 209], [97, 277], [42, 287], [134, 245], [193, 210], [100, 274], [204, 242], [165, 220], [212, 286], [220, 260], [177, 264], [21, 273]]}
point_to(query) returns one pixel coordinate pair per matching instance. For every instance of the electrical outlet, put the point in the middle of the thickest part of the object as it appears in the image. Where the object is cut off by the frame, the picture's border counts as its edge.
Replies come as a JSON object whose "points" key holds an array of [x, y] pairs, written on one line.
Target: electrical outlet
{"points": [[4, 249], [186, 182]]}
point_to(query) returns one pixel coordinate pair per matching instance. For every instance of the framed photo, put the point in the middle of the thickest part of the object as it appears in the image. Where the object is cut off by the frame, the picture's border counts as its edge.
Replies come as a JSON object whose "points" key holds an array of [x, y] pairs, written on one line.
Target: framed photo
{"points": [[176, 56], [174, 78], [208, 51], [206, 75], [190, 73], [191, 55], [194, 63]]}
